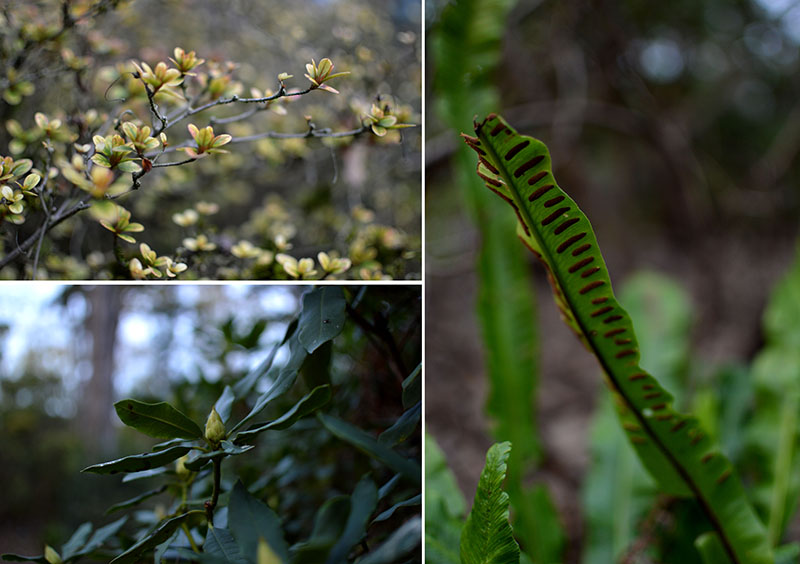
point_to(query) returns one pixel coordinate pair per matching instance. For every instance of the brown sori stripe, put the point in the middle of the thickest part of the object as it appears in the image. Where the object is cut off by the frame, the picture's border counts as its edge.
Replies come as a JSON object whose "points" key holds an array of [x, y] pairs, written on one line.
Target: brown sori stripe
{"points": [[658, 406], [582, 249], [497, 129], [648, 386], [637, 376], [489, 180], [601, 311], [537, 177], [580, 264], [616, 331], [600, 300], [626, 352], [569, 242], [516, 149], [664, 417], [506, 198], [562, 227], [589, 271], [724, 476], [552, 202], [637, 439], [591, 286], [612, 318], [622, 341], [540, 191], [697, 438], [527, 166], [474, 144], [707, 457], [679, 425], [654, 395], [488, 165], [554, 216]]}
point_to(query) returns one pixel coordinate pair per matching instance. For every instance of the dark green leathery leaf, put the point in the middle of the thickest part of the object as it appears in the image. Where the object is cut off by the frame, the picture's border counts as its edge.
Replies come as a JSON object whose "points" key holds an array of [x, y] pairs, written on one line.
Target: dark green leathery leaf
{"points": [[138, 462], [159, 420], [672, 446]]}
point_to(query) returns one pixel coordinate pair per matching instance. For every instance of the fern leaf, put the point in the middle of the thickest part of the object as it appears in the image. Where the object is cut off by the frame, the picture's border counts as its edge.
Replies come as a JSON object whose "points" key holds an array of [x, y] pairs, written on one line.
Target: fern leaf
{"points": [[487, 537], [671, 445]]}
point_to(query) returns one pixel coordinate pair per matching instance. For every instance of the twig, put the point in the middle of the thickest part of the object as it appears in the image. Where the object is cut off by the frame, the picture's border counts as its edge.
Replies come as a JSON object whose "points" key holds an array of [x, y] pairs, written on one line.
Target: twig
{"points": [[281, 93], [383, 333], [315, 133], [214, 120], [28, 243], [46, 210], [153, 106], [177, 163]]}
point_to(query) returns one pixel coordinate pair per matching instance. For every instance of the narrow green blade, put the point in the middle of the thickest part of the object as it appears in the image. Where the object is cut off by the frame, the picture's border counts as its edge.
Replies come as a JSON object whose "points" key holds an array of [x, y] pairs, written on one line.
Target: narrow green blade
{"points": [[138, 462], [672, 446]]}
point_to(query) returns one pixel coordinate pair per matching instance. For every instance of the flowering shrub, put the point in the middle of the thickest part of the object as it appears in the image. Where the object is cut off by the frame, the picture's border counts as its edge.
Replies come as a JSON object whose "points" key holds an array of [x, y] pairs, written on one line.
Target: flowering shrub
{"points": [[98, 128], [292, 462]]}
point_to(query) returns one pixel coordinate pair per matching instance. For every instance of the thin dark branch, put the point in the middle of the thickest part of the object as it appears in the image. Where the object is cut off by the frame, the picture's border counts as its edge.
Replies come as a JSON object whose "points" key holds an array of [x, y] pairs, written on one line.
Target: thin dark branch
{"points": [[153, 106], [316, 133], [381, 331], [46, 209], [55, 220], [238, 117], [281, 93], [177, 163]]}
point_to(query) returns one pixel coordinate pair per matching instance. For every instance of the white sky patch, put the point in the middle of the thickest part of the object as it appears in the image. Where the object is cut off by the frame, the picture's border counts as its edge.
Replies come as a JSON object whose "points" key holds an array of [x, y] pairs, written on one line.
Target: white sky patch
{"points": [[775, 7], [23, 309], [791, 23], [136, 329], [141, 359], [661, 60]]}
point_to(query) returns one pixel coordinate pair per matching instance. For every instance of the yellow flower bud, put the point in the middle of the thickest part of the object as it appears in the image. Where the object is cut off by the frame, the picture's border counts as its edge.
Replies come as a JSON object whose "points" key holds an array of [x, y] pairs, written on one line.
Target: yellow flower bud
{"points": [[215, 429], [51, 555], [180, 467]]}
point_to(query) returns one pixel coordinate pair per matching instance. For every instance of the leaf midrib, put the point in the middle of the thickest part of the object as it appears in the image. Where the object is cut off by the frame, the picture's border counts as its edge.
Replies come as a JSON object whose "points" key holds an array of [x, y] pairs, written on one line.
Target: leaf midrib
{"points": [[168, 423]]}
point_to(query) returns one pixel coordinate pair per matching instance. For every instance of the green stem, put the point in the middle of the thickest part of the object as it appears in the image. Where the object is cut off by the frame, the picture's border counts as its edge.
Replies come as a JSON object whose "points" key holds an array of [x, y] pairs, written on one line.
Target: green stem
{"points": [[783, 466], [210, 505], [191, 540]]}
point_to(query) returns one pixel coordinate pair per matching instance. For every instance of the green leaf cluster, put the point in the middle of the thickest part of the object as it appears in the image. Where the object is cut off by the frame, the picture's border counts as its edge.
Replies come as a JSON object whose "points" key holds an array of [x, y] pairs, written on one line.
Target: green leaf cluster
{"points": [[224, 520]]}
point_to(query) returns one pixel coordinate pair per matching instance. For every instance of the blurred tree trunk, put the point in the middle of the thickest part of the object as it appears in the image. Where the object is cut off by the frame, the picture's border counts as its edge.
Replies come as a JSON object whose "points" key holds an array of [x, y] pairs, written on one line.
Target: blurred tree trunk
{"points": [[95, 411]]}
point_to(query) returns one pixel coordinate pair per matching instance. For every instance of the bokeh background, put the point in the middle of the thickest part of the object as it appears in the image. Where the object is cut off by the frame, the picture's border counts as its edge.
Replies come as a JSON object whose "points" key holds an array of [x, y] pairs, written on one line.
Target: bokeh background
{"points": [[674, 125], [69, 352]]}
